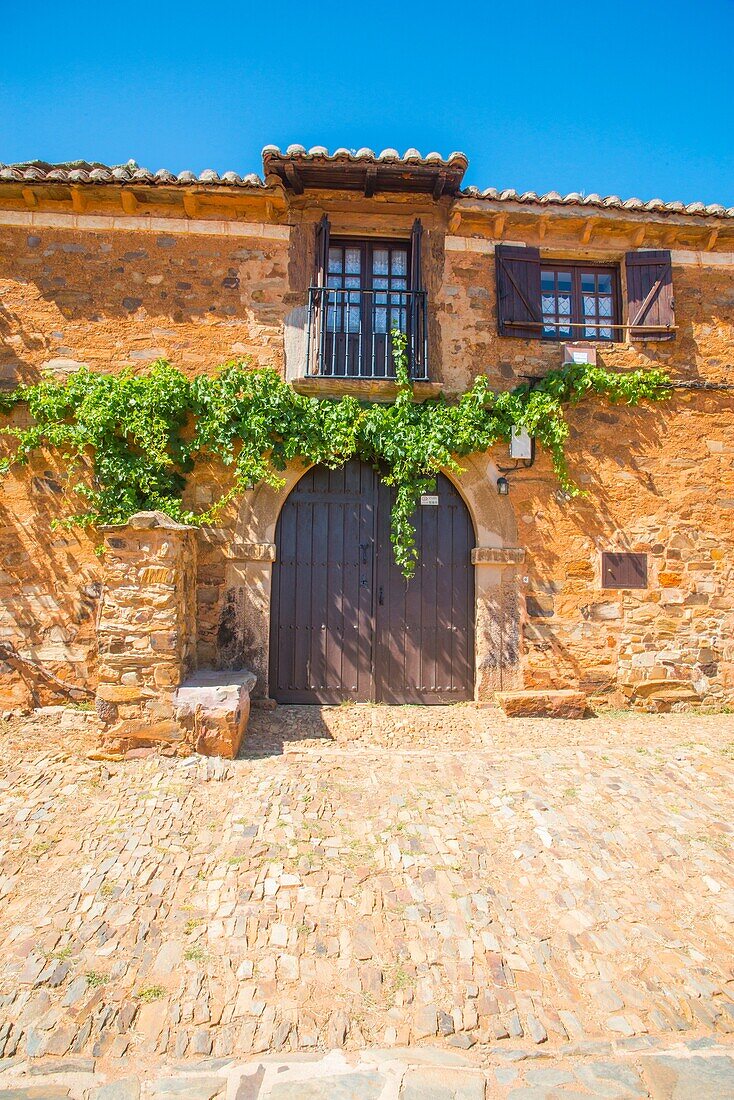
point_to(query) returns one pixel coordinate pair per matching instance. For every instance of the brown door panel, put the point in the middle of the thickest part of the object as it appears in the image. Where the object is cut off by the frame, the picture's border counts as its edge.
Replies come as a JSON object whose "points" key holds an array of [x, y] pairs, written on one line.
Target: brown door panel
{"points": [[424, 643], [321, 622]]}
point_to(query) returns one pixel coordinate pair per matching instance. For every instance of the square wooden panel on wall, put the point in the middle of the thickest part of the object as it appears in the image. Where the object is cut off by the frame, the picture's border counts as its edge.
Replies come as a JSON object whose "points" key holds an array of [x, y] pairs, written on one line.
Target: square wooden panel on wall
{"points": [[623, 570]]}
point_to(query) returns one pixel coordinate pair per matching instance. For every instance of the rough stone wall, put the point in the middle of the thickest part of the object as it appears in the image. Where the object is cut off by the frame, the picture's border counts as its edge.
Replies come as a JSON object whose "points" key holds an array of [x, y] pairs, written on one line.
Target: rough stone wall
{"points": [[659, 479], [234, 603], [49, 590], [110, 300], [113, 299]]}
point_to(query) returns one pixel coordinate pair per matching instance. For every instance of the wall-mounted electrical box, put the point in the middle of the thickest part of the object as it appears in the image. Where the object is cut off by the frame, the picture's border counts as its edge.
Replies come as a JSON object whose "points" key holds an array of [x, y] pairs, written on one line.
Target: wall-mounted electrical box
{"points": [[521, 444]]}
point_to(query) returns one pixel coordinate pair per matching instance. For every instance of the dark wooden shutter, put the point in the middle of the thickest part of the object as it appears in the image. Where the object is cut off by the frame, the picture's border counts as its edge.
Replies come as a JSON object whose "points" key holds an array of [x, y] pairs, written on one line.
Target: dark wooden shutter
{"points": [[623, 570], [321, 265], [651, 314], [416, 311], [416, 267], [518, 291], [318, 305]]}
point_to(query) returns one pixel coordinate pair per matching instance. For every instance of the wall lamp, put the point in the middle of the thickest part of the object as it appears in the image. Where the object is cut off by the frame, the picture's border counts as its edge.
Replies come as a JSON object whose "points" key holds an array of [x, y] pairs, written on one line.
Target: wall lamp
{"points": [[503, 486]]}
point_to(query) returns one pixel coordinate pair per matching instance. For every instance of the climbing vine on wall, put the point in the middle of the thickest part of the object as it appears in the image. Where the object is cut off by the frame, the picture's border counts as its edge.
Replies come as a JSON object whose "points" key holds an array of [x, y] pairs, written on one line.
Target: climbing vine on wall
{"points": [[130, 440]]}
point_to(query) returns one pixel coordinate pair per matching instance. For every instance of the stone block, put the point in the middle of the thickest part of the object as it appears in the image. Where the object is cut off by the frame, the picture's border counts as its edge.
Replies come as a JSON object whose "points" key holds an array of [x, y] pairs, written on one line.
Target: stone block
{"points": [[542, 704], [142, 730], [671, 691], [441, 1083], [694, 1076], [118, 693], [213, 709]]}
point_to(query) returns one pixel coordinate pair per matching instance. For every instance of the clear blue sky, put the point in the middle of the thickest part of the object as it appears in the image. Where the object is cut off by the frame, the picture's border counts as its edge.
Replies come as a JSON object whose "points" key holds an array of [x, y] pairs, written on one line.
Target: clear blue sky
{"points": [[625, 98]]}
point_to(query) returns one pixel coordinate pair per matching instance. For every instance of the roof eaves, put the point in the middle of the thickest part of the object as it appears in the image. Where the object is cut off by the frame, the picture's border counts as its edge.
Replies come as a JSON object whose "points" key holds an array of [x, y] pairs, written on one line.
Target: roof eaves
{"points": [[608, 202]]}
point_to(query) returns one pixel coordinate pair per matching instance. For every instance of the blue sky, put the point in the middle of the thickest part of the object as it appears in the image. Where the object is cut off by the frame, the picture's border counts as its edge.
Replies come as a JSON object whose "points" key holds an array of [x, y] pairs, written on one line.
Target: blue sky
{"points": [[625, 98]]}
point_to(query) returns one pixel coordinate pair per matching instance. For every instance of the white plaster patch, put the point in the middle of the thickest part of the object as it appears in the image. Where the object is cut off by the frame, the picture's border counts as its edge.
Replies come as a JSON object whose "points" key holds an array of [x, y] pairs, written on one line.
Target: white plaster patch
{"points": [[145, 222]]}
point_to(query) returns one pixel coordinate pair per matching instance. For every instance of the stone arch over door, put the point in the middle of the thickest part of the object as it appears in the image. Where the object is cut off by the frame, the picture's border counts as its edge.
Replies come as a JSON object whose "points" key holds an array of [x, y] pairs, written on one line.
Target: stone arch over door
{"points": [[496, 560]]}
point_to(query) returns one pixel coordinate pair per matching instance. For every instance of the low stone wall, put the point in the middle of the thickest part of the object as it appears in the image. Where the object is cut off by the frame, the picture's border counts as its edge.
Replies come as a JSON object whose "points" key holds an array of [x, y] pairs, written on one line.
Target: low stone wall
{"points": [[146, 630]]}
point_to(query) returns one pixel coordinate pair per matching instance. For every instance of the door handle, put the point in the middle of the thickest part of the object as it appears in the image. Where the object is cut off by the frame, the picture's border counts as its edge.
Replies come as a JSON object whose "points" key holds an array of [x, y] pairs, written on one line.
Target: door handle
{"points": [[364, 547], [380, 597]]}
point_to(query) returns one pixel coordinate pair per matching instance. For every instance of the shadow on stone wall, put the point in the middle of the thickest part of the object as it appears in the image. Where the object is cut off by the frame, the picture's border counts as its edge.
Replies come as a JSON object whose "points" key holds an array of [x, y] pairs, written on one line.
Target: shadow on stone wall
{"points": [[50, 588], [655, 481]]}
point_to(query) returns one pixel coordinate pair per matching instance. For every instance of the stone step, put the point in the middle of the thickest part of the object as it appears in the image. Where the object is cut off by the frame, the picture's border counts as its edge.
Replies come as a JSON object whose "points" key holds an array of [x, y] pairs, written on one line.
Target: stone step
{"points": [[542, 704], [212, 708]]}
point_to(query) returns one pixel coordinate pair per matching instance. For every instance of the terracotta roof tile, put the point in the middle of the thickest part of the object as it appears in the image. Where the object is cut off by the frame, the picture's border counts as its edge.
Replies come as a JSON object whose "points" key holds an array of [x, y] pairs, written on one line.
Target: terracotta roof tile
{"points": [[320, 152], [82, 172], [608, 202], [90, 173]]}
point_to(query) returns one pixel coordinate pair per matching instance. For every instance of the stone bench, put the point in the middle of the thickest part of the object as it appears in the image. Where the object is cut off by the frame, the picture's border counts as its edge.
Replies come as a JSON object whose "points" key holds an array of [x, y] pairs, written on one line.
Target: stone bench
{"points": [[542, 704], [212, 709]]}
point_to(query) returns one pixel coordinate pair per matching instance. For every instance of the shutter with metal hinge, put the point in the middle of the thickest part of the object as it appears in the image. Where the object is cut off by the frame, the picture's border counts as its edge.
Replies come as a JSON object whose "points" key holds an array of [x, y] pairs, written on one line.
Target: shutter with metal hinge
{"points": [[318, 305], [518, 291], [650, 303], [321, 265], [417, 311]]}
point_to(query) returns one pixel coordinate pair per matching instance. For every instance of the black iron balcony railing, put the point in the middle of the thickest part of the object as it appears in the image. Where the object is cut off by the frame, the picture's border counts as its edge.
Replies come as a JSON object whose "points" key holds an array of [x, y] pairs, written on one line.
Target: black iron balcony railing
{"points": [[349, 332]]}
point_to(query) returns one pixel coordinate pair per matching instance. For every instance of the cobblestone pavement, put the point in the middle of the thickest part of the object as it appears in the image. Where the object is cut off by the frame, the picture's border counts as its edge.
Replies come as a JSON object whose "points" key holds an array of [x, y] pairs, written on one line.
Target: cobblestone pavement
{"points": [[548, 905]]}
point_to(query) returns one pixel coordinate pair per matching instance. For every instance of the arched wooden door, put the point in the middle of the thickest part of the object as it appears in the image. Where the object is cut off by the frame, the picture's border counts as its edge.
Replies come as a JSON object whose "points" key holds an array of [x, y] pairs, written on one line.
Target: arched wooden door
{"points": [[345, 624]]}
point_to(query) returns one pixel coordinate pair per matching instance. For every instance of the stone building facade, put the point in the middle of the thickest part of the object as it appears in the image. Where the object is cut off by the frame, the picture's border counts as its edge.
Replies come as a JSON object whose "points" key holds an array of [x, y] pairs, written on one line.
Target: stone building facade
{"points": [[116, 268]]}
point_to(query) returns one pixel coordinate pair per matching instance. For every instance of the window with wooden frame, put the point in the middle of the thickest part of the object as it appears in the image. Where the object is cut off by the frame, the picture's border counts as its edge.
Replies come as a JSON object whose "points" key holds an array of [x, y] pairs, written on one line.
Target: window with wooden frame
{"points": [[363, 290], [578, 301], [370, 278], [623, 570], [550, 299]]}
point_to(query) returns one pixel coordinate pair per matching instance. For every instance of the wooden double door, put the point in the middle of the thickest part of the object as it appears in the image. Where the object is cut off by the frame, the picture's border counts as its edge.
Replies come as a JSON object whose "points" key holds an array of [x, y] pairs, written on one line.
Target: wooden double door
{"points": [[345, 624]]}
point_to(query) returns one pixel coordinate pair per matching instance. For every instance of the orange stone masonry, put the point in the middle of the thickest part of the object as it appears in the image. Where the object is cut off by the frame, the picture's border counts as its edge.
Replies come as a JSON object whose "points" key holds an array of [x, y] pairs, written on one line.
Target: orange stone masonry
{"points": [[203, 273]]}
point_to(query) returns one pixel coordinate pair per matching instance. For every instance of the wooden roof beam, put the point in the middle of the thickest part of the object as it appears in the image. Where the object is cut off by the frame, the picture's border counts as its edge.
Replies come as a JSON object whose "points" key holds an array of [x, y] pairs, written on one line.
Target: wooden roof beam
{"points": [[78, 200], [589, 227], [30, 198], [370, 181], [439, 185], [294, 177], [190, 204]]}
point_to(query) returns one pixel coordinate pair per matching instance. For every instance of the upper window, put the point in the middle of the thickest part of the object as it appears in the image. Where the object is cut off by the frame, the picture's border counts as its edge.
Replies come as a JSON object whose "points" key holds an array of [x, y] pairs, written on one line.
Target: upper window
{"points": [[369, 281], [539, 298], [579, 302], [363, 290]]}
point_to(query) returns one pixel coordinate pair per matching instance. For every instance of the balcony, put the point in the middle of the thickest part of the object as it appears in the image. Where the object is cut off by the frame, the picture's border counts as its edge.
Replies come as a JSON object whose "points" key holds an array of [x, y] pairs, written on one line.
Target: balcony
{"points": [[349, 333]]}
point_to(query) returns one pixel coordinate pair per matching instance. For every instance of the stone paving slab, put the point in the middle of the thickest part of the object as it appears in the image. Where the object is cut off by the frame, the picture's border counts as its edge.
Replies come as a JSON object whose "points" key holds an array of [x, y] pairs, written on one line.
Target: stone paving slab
{"points": [[681, 1072], [368, 877]]}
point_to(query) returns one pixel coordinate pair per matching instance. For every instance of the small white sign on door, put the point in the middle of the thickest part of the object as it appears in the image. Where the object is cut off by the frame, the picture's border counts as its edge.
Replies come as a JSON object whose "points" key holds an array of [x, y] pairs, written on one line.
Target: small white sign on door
{"points": [[428, 498]]}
